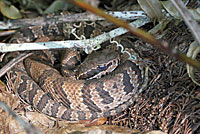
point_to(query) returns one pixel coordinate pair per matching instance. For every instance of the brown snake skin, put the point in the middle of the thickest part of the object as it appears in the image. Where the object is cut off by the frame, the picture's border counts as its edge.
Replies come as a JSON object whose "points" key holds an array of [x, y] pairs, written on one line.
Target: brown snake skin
{"points": [[43, 87]]}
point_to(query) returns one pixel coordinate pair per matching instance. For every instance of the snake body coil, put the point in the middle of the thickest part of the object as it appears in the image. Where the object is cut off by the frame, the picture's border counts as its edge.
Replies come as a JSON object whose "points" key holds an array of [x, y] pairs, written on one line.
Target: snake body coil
{"points": [[43, 87]]}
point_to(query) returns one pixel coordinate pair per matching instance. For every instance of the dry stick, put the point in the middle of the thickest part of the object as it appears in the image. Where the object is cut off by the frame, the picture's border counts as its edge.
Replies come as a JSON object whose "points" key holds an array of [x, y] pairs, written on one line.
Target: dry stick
{"points": [[164, 46], [6, 33], [13, 62], [13, 24], [29, 128], [87, 45], [188, 18]]}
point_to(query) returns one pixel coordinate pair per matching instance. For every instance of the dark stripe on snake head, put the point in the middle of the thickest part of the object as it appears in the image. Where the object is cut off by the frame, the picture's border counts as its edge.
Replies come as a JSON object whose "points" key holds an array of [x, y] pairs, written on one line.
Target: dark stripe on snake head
{"points": [[86, 98], [107, 99], [89, 74], [94, 72]]}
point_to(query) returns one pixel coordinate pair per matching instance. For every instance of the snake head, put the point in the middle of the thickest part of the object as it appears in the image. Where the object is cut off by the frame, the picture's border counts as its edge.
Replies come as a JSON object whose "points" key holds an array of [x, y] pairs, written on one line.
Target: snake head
{"points": [[98, 64]]}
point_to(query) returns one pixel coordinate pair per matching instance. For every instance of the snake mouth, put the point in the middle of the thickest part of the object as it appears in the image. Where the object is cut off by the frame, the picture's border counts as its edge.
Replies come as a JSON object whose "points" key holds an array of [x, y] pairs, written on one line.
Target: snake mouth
{"points": [[100, 70]]}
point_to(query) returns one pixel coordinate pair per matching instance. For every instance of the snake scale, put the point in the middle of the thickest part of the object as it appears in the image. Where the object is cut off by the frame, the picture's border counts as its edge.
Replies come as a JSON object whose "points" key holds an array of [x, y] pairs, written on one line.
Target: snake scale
{"points": [[39, 84]]}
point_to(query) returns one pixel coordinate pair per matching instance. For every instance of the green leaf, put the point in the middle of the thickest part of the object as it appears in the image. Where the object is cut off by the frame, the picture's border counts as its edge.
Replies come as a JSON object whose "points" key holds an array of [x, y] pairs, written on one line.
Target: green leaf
{"points": [[152, 8], [171, 9], [195, 13], [56, 6], [192, 52], [10, 12]]}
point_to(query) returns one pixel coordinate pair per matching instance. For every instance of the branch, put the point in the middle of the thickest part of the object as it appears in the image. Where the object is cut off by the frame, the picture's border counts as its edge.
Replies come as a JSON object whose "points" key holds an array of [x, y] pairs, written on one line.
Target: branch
{"points": [[13, 24], [87, 45]]}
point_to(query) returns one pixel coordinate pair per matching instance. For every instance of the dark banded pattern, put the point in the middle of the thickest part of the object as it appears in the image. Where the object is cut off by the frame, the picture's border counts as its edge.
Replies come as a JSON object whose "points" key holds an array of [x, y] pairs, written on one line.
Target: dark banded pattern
{"points": [[40, 85], [96, 97], [86, 95]]}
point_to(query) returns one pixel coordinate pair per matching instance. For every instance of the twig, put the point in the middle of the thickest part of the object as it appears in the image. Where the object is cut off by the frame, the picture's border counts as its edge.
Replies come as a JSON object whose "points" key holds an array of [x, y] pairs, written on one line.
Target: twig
{"points": [[13, 62], [87, 45], [13, 24], [29, 128], [6, 33], [188, 18]]}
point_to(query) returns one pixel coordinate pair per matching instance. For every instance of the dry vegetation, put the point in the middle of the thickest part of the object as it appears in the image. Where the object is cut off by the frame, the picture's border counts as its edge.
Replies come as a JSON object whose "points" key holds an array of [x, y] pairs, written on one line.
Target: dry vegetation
{"points": [[170, 103]]}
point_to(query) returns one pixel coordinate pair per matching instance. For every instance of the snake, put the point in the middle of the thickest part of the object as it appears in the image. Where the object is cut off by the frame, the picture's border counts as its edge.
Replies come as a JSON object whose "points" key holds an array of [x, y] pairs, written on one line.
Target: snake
{"points": [[93, 95]]}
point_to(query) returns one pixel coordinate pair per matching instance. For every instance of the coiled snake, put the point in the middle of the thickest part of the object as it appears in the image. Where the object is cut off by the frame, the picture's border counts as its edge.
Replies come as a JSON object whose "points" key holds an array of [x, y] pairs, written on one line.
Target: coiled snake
{"points": [[43, 87]]}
